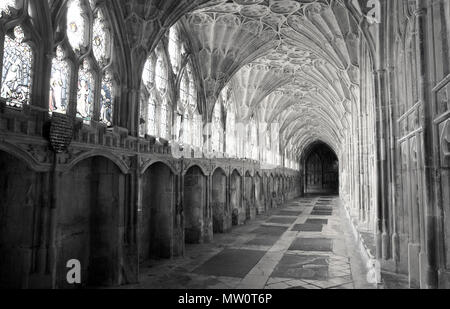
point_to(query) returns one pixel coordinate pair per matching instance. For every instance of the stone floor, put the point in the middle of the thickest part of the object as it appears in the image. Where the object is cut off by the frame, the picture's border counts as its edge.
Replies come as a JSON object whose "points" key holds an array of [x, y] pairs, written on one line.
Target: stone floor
{"points": [[305, 245]]}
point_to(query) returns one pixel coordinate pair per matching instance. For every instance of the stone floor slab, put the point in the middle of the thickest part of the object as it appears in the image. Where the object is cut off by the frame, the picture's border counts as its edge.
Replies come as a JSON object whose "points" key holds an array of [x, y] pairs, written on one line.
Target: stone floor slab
{"points": [[312, 244], [321, 213], [289, 213], [231, 263], [263, 241], [302, 267], [317, 221], [270, 230], [282, 220], [308, 228]]}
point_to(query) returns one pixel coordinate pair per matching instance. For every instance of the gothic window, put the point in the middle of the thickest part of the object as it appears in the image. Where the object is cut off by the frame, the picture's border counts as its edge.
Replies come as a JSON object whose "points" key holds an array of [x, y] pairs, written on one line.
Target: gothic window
{"points": [[254, 140], [107, 99], [184, 91], [163, 120], [77, 25], [148, 100], [161, 78], [86, 92], [231, 133], [175, 49], [151, 118], [216, 128], [59, 83], [17, 69], [187, 124], [89, 36], [198, 130], [192, 89], [101, 38]]}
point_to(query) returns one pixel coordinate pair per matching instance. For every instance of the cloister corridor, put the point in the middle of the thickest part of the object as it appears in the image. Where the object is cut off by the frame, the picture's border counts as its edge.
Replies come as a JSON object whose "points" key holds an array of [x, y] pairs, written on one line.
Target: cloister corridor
{"points": [[230, 144], [305, 244]]}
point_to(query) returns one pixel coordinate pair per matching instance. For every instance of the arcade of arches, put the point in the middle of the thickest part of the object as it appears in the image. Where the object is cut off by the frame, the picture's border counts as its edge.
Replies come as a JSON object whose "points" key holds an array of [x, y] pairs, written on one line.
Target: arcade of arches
{"points": [[133, 131]]}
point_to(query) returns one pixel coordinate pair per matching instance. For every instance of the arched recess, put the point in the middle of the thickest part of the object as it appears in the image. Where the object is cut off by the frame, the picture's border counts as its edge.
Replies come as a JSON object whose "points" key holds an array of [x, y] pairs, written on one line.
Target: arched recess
{"points": [[259, 194], [238, 213], [21, 195], [271, 195], [276, 191], [90, 226], [157, 219], [221, 213], [197, 218], [249, 201], [320, 169]]}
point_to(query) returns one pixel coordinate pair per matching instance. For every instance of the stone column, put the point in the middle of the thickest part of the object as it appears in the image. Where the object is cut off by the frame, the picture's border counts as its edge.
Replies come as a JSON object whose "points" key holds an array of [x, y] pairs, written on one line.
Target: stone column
{"points": [[428, 273]]}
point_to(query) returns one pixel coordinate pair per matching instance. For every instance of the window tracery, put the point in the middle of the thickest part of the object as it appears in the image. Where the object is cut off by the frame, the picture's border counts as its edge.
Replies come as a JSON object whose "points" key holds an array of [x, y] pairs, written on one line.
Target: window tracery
{"points": [[155, 111]]}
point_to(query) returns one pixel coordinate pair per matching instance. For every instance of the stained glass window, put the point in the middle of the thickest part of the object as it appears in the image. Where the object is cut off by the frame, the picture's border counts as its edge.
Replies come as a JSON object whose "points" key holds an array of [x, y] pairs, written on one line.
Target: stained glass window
{"points": [[184, 91], [151, 121], [174, 50], [76, 25], [187, 125], [107, 99], [143, 114], [59, 83], [163, 120], [17, 68], [231, 138], [161, 79], [5, 5], [217, 128], [148, 75], [101, 39], [192, 89], [198, 130], [85, 95], [148, 103]]}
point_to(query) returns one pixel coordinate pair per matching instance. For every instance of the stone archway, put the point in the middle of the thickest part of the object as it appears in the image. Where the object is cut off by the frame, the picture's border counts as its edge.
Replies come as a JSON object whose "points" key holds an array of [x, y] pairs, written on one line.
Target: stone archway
{"points": [[197, 219], [221, 213], [156, 221], [19, 198], [238, 213], [90, 222]]}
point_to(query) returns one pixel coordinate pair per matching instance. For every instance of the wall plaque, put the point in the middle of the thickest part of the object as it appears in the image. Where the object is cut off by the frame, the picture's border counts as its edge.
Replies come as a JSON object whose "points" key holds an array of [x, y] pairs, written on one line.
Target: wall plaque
{"points": [[61, 132]]}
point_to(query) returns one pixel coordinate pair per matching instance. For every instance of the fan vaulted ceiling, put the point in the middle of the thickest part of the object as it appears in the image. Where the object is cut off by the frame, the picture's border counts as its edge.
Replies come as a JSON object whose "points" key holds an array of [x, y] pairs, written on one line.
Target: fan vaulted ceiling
{"points": [[291, 62]]}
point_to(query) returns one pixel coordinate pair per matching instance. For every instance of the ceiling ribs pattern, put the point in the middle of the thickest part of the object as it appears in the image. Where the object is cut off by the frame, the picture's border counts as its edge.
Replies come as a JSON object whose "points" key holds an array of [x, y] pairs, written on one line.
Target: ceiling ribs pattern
{"points": [[291, 62]]}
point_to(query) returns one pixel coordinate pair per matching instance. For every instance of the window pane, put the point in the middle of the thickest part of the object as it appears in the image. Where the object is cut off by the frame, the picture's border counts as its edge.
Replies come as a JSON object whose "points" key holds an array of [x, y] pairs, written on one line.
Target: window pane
{"points": [[85, 96], [107, 99], [161, 75], [164, 114], [174, 50], [148, 75], [184, 91], [152, 116], [59, 83], [17, 65], [76, 25], [101, 39]]}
